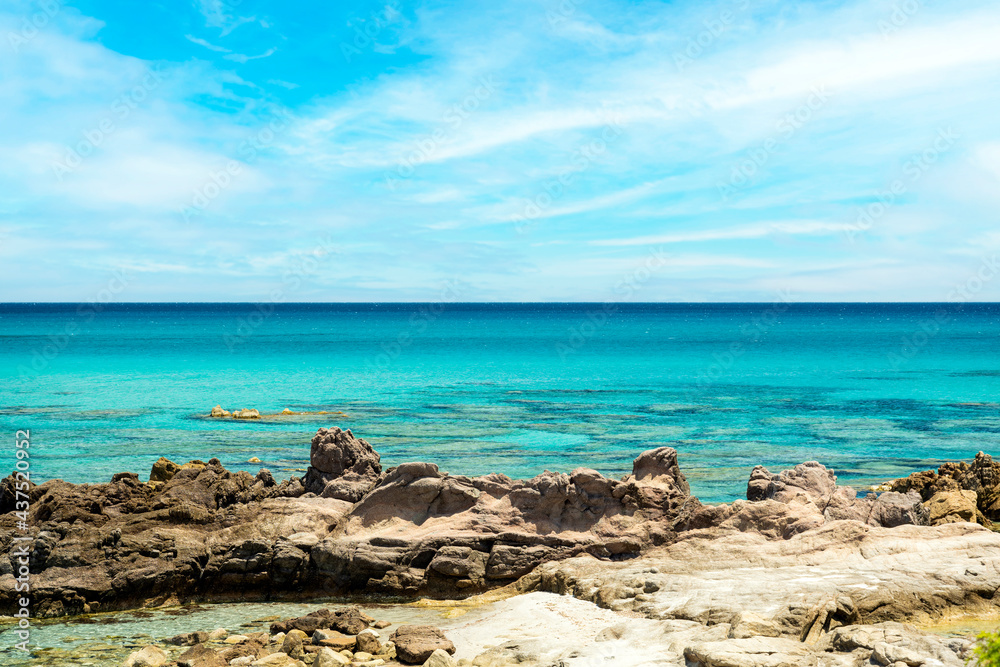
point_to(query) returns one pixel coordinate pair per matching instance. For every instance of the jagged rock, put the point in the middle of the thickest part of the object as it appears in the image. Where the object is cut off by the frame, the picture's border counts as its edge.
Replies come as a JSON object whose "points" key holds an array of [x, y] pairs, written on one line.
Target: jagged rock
{"points": [[806, 497], [163, 470], [246, 414], [981, 477], [341, 466], [416, 643], [951, 506], [217, 411]]}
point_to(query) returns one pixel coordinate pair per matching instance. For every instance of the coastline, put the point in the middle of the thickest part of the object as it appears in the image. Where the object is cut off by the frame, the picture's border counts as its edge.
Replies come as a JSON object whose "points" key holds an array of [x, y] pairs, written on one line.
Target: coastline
{"points": [[800, 560]]}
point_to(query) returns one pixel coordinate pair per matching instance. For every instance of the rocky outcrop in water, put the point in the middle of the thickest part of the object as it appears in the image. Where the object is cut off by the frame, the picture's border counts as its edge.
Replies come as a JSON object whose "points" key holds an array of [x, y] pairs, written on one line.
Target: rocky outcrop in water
{"points": [[958, 491], [196, 531], [341, 466]]}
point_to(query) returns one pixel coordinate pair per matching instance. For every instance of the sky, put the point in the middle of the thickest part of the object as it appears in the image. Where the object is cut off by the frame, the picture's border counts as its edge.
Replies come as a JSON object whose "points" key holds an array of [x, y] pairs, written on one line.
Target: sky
{"points": [[549, 150]]}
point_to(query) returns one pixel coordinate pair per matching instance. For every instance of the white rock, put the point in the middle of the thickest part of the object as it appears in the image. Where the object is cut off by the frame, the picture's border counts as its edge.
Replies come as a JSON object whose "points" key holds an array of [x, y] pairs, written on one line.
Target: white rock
{"points": [[328, 658], [148, 656], [277, 660], [236, 639], [217, 634], [439, 658]]}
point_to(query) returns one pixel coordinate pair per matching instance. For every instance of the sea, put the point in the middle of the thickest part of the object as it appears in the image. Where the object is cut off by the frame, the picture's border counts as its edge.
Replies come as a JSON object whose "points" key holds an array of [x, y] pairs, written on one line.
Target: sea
{"points": [[873, 391]]}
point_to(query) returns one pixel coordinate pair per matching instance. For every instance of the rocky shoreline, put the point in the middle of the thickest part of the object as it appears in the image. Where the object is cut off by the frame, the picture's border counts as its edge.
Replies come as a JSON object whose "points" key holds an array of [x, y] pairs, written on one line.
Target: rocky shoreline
{"points": [[797, 570]]}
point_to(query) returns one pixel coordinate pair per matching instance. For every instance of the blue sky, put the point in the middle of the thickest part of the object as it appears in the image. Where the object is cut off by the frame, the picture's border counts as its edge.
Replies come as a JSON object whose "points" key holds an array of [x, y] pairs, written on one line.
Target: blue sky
{"points": [[544, 150]]}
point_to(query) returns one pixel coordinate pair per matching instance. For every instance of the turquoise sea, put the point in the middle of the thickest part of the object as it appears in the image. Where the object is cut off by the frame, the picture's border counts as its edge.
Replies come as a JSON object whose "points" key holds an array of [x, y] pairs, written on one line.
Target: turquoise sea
{"points": [[874, 391]]}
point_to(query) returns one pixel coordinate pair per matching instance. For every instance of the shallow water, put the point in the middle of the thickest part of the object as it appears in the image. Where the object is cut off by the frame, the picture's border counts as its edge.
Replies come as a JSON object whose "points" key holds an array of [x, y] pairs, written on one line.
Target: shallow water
{"points": [[107, 639], [506, 388]]}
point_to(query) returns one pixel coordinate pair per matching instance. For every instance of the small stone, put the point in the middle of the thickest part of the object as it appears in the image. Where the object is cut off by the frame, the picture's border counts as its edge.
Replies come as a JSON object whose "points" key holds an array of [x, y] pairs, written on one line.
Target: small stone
{"points": [[236, 639], [381, 625], [242, 662], [199, 655], [292, 645], [362, 656], [253, 459], [278, 638], [333, 639], [218, 634], [277, 660], [327, 657], [440, 658], [368, 642]]}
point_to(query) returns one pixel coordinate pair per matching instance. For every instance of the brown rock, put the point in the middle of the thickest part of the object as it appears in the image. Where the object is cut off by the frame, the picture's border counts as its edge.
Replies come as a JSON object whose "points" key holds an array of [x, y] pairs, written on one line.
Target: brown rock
{"points": [[415, 643], [200, 655], [163, 470], [342, 466], [335, 640], [951, 507]]}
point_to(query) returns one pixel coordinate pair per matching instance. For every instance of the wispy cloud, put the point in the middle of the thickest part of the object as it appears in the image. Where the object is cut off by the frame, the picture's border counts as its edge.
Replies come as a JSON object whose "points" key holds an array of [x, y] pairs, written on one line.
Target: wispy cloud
{"points": [[207, 45], [241, 58], [443, 123]]}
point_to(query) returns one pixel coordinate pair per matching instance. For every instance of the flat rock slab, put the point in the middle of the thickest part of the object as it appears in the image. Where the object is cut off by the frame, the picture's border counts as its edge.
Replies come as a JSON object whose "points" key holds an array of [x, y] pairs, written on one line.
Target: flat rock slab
{"points": [[840, 574], [539, 629]]}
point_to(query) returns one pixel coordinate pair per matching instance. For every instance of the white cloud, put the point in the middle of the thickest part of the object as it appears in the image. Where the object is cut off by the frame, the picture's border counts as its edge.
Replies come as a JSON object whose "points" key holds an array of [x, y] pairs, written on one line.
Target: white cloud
{"points": [[755, 231]]}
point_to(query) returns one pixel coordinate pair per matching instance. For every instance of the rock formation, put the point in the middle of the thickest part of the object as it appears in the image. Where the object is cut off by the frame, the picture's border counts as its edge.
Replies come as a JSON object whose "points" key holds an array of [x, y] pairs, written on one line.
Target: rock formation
{"points": [[958, 491], [199, 532], [341, 466]]}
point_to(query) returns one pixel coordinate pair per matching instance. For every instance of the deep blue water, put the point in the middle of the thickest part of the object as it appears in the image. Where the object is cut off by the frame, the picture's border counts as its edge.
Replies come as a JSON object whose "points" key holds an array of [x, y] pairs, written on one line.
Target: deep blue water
{"points": [[872, 390]]}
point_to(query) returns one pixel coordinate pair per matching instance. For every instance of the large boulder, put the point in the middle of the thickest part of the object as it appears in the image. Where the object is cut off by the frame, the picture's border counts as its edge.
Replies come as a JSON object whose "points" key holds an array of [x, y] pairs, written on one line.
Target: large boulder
{"points": [[951, 506], [342, 466], [416, 643]]}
